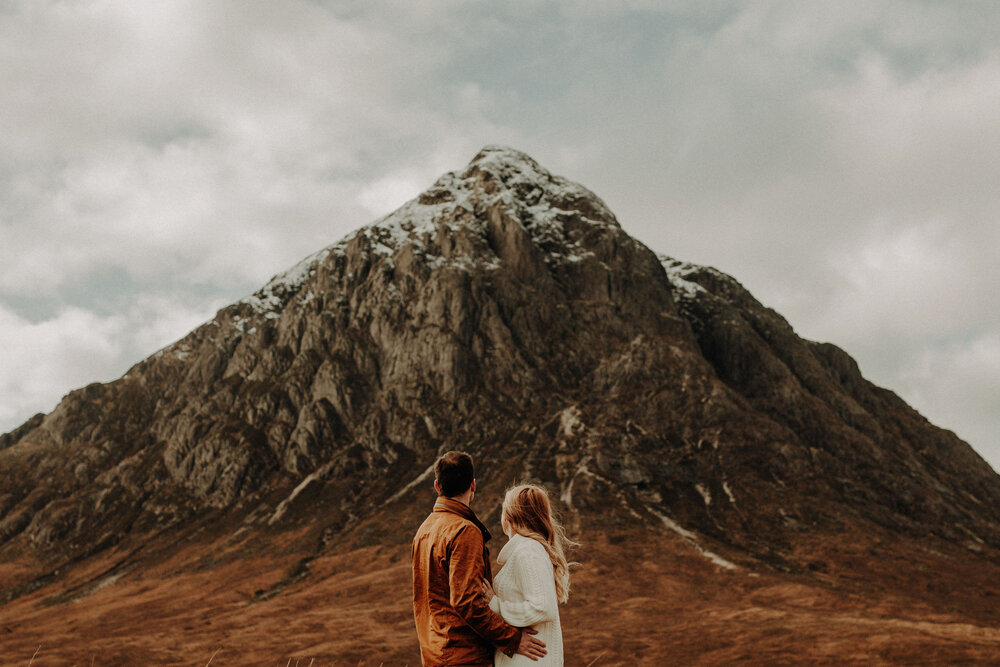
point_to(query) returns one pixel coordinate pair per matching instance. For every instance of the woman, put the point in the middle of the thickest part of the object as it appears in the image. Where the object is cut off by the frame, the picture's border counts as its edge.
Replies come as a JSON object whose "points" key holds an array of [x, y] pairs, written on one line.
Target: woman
{"points": [[534, 577]]}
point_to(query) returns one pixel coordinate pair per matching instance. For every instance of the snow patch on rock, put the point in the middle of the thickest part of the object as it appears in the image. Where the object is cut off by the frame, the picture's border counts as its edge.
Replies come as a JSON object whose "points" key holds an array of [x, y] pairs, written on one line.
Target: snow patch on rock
{"points": [[679, 273], [421, 478], [692, 539], [542, 203], [283, 505], [271, 298], [706, 495], [729, 492], [569, 421]]}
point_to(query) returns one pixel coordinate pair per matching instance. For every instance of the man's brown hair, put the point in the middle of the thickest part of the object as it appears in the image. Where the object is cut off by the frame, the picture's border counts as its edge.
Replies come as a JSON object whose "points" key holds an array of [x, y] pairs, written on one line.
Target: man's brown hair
{"points": [[454, 473]]}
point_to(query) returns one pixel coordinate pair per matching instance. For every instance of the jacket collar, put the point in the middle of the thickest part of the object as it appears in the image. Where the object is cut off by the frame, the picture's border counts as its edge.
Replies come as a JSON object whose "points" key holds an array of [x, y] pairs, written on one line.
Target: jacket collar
{"points": [[455, 507]]}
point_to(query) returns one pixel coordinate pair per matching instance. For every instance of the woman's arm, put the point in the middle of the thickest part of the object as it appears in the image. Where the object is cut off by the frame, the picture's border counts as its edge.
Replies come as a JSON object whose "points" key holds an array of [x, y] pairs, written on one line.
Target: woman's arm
{"points": [[533, 578]]}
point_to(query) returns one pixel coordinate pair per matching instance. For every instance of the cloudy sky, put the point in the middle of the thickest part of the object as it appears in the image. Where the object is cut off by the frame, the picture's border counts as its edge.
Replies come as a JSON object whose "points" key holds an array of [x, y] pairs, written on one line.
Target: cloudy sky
{"points": [[161, 160]]}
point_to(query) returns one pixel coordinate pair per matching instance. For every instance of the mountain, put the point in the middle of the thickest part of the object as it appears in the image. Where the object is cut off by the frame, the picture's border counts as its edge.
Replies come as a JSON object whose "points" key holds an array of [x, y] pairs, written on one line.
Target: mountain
{"points": [[505, 312]]}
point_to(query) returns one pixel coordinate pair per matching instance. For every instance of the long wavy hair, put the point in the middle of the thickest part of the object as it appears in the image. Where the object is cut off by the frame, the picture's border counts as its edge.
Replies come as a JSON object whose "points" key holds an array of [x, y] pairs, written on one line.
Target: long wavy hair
{"points": [[527, 511]]}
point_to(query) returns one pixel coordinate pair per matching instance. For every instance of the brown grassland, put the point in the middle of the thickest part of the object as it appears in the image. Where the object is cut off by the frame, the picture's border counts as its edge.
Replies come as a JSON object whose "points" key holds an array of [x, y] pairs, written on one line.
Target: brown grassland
{"points": [[639, 597]]}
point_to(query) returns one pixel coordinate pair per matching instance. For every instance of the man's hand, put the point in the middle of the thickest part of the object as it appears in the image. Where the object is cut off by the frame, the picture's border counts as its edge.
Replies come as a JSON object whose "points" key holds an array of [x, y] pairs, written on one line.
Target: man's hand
{"points": [[531, 647], [487, 591]]}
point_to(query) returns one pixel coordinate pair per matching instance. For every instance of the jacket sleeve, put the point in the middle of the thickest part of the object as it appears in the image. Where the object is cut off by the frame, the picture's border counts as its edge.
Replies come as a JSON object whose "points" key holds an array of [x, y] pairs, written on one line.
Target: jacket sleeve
{"points": [[535, 598], [465, 578]]}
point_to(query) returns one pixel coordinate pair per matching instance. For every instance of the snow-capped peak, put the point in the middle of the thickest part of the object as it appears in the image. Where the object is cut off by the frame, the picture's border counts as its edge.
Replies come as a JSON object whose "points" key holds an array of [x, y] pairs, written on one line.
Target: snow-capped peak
{"points": [[497, 176]]}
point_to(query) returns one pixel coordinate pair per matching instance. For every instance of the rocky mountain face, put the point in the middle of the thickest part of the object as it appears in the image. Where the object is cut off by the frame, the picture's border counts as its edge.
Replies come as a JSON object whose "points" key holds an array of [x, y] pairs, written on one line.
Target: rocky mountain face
{"points": [[507, 313]]}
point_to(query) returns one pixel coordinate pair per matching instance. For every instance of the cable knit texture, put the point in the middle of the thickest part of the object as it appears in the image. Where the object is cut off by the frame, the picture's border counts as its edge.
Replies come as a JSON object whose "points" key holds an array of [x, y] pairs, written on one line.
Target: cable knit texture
{"points": [[526, 596]]}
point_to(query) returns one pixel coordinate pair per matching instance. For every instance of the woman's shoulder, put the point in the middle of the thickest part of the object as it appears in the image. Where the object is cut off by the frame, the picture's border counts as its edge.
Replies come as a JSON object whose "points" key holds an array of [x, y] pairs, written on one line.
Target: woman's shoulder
{"points": [[528, 546]]}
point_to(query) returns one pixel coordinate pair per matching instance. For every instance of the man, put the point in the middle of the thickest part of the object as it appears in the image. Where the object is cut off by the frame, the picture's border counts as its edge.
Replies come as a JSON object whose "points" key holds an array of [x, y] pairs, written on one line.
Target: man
{"points": [[455, 625]]}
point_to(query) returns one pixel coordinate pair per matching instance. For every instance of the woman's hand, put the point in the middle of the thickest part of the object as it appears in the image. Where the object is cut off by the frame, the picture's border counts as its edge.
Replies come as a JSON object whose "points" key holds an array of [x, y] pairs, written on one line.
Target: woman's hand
{"points": [[488, 591]]}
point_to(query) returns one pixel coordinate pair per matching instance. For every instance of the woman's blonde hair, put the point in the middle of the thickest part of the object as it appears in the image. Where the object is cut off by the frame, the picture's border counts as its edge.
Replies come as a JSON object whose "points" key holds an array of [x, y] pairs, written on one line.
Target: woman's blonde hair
{"points": [[528, 512]]}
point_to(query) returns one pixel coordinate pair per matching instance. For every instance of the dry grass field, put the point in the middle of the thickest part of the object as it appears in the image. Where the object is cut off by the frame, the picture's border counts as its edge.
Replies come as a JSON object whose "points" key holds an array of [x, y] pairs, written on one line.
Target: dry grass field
{"points": [[638, 598]]}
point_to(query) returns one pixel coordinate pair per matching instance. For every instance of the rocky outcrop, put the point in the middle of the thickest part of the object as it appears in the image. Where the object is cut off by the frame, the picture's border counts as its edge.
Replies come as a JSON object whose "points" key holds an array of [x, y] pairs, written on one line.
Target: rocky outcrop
{"points": [[861, 444], [503, 311]]}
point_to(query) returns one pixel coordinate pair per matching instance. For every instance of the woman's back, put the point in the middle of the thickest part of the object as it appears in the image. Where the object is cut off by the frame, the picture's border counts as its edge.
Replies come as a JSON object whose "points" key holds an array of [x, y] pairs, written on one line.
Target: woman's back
{"points": [[526, 597]]}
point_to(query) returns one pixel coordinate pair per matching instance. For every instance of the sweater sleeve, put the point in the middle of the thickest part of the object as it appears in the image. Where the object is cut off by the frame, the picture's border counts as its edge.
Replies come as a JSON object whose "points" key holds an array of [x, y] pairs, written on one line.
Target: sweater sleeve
{"points": [[465, 578], [534, 581]]}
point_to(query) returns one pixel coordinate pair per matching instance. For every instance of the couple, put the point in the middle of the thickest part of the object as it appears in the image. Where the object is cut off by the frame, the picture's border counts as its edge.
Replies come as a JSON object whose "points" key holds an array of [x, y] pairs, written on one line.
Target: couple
{"points": [[464, 619]]}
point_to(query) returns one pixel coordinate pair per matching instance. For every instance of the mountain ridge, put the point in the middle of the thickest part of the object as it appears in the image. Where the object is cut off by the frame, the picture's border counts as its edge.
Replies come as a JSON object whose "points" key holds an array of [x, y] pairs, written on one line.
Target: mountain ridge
{"points": [[503, 311], [502, 210]]}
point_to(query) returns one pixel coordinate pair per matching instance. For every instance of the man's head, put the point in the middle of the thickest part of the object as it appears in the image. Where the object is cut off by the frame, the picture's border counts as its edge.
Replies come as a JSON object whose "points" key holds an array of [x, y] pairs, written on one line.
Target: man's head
{"points": [[454, 474]]}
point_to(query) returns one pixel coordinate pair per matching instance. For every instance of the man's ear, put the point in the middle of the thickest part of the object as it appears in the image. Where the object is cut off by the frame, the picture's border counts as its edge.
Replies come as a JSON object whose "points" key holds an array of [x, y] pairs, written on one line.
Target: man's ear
{"points": [[473, 487], [437, 487]]}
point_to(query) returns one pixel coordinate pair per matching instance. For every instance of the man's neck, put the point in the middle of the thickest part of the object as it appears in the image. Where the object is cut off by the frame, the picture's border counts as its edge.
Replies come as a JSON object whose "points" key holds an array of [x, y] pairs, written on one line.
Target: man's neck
{"points": [[465, 498]]}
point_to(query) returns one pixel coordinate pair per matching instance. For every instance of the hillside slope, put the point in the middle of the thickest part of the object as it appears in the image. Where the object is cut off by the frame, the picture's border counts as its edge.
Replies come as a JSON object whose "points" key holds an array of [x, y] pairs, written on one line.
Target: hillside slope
{"points": [[507, 313]]}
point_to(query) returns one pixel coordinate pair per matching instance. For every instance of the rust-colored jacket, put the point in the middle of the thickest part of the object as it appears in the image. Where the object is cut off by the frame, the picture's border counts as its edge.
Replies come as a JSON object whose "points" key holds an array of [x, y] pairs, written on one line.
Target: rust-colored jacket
{"points": [[455, 625]]}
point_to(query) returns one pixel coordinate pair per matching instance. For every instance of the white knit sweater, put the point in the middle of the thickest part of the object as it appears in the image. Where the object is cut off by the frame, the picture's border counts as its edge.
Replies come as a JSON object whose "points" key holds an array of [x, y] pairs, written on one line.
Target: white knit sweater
{"points": [[525, 596]]}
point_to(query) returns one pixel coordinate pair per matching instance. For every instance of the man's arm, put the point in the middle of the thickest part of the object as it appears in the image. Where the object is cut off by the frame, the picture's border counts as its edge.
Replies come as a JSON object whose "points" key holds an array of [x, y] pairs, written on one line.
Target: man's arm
{"points": [[465, 577]]}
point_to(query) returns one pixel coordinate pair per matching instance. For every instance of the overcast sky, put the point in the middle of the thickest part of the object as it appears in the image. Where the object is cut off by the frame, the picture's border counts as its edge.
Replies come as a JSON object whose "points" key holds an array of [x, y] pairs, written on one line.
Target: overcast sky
{"points": [[159, 160]]}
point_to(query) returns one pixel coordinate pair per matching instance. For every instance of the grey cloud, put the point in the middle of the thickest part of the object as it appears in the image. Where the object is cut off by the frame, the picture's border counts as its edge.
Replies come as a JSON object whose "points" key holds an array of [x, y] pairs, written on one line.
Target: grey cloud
{"points": [[836, 159], [44, 359]]}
